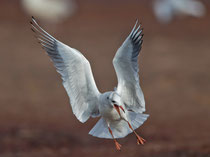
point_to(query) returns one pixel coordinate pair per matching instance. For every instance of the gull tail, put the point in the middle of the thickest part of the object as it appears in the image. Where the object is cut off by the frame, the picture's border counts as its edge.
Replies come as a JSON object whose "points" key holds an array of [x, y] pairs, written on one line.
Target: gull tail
{"points": [[137, 119], [100, 130], [119, 128]]}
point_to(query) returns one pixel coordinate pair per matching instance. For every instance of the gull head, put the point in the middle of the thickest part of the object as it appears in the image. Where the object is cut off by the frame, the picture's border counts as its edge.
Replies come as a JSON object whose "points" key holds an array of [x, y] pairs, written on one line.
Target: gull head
{"points": [[114, 99], [116, 102]]}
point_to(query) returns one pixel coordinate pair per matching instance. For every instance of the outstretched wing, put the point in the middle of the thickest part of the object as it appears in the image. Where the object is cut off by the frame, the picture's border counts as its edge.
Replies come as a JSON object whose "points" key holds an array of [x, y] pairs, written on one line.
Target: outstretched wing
{"points": [[76, 74], [126, 66]]}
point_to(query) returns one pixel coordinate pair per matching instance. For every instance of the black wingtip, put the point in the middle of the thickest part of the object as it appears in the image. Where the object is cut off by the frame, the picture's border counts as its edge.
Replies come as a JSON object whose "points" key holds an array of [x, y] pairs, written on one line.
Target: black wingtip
{"points": [[33, 30], [142, 42], [142, 36], [32, 17], [137, 20]]}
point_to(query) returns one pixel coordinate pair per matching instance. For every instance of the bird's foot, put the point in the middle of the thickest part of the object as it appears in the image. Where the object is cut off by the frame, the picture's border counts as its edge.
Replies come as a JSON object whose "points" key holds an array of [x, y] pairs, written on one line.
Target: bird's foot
{"points": [[140, 140], [118, 146]]}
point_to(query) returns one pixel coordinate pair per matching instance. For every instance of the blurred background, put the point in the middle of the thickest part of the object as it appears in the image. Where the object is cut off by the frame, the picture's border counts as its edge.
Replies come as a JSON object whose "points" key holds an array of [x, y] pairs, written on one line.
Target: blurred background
{"points": [[35, 115]]}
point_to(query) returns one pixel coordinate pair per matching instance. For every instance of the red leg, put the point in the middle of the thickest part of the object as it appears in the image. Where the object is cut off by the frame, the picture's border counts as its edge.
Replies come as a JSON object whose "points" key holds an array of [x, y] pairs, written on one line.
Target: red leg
{"points": [[140, 140], [118, 146]]}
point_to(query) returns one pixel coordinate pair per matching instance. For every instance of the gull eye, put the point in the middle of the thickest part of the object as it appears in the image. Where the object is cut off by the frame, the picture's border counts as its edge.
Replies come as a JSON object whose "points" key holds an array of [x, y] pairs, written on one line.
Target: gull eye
{"points": [[113, 101], [107, 97]]}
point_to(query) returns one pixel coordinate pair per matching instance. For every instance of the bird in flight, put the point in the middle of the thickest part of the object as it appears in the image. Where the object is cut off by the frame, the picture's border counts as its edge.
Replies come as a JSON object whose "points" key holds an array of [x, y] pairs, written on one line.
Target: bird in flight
{"points": [[121, 110]]}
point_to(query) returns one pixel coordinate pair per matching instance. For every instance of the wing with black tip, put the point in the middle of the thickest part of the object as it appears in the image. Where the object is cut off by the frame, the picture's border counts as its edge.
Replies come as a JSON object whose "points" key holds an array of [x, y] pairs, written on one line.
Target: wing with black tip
{"points": [[127, 68], [76, 74]]}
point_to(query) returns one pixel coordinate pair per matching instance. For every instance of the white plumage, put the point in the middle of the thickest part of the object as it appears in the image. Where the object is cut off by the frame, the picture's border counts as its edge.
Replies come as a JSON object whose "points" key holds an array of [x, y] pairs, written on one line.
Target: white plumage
{"points": [[121, 110]]}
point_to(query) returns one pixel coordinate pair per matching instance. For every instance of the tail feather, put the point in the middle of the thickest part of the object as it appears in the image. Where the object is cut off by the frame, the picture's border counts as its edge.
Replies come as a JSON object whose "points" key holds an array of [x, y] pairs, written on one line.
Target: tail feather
{"points": [[137, 119], [100, 130], [120, 128]]}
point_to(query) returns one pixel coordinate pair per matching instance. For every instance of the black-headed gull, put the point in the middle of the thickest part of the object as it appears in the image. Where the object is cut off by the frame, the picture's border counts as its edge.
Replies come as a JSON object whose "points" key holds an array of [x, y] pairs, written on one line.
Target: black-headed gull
{"points": [[121, 110]]}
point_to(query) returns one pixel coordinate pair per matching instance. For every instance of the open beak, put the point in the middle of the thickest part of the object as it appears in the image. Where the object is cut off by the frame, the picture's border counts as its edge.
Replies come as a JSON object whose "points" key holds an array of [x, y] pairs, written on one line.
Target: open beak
{"points": [[122, 109], [117, 107]]}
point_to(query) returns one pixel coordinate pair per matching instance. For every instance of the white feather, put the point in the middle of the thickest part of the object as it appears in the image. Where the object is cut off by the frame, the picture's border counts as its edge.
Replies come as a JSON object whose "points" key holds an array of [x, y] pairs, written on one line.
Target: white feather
{"points": [[76, 74], [126, 66], [84, 96], [119, 128]]}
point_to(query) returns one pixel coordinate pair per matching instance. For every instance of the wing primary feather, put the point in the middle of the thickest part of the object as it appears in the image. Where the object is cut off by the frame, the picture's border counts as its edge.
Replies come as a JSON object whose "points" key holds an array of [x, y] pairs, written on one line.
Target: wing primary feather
{"points": [[33, 19], [41, 33], [42, 37], [52, 53], [136, 37], [73, 68], [134, 33], [49, 48], [134, 28], [139, 39], [33, 30], [128, 77], [47, 43]]}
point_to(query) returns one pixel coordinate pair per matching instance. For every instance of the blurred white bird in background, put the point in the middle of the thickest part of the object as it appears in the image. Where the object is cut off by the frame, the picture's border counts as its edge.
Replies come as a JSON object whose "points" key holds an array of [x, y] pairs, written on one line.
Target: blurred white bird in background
{"points": [[166, 10], [121, 110], [51, 11]]}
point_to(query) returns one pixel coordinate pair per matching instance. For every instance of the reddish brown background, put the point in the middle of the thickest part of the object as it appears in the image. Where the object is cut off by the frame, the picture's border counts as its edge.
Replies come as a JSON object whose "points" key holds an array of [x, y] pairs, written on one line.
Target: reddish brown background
{"points": [[35, 116]]}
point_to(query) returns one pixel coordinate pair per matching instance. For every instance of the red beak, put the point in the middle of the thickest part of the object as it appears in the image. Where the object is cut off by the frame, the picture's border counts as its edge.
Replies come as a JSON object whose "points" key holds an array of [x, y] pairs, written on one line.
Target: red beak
{"points": [[122, 109], [117, 108]]}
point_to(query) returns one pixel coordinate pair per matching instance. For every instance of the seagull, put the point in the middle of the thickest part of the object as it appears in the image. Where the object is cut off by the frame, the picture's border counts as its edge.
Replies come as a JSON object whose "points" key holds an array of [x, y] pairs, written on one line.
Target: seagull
{"points": [[121, 110], [165, 10]]}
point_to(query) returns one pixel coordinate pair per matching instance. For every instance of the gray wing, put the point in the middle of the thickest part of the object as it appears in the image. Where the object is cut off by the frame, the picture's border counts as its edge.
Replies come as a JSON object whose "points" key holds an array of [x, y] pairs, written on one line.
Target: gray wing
{"points": [[76, 74], [126, 66]]}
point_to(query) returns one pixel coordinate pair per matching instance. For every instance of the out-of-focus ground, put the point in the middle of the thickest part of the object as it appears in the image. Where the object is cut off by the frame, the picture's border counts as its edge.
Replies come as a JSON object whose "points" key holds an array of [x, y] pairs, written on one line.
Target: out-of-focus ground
{"points": [[35, 116]]}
